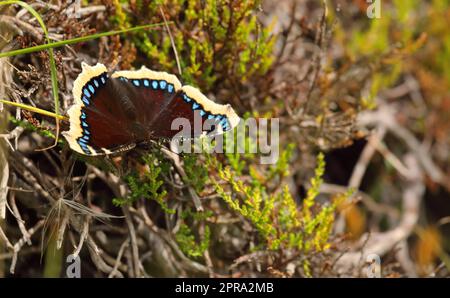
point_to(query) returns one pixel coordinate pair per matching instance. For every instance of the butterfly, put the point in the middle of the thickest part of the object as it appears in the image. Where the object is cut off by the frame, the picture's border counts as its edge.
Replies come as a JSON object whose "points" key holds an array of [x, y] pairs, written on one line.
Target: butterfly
{"points": [[115, 113]]}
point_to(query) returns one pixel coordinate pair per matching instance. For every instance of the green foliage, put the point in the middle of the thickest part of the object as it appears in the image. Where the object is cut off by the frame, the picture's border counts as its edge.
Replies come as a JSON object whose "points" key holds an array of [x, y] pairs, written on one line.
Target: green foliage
{"points": [[146, 185], [383, 43], [275, 214], [281, 168], [197, 174], [185, 236], [236, 163], [53, 258], [188, 244], [313, 191], [27, 125], [216, 41], [188, 213], [437, 58]]}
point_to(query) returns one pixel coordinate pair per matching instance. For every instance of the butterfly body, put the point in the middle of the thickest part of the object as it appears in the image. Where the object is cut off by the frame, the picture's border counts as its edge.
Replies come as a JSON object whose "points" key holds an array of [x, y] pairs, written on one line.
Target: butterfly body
{"points": [[113, 114]]}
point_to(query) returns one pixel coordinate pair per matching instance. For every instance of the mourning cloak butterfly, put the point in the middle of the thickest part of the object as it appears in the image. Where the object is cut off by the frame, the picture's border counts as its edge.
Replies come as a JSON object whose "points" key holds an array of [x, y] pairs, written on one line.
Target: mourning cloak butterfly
{"points": [[113, 114]]}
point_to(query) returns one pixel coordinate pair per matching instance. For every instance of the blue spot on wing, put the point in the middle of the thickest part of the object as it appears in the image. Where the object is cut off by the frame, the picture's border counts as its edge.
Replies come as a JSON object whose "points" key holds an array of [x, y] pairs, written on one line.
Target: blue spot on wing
{"points": [[85, 100], [103, 80], [96, 83], [202, 113], [186, 98], [162, 84], [155, 84], [146, 83], [195, 105], [170, 88], [83, 145], [91, 88], [86, 92], [136, 83], [224, 124]]}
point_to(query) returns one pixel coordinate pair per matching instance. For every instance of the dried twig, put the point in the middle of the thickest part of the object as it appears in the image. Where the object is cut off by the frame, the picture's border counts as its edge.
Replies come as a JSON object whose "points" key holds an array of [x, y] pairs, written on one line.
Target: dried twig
{"points": [[317, 58], [177, 163], [385, 116], [365, 158], [133, 241], [95, 254], [3, 183], [368, 201], [5, 239], [185, 262], [381, 243], [83, 236], [20, 221], [124, 245], [19, 244]]}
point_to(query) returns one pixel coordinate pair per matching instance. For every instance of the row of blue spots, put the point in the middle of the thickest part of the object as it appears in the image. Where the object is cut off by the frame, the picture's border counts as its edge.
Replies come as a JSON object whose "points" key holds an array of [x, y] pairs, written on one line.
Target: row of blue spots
{"points": [[90, 88], [84, 125], [84, 139], [85, 100], [155, 84], [222, 120], [83, 144], [186, 98]]}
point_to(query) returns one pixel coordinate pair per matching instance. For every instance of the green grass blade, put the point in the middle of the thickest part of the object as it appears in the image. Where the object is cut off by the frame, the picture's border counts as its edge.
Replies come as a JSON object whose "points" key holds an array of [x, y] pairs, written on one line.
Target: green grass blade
{"points": [[34, 109], [53, 71], [77, 40]]}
